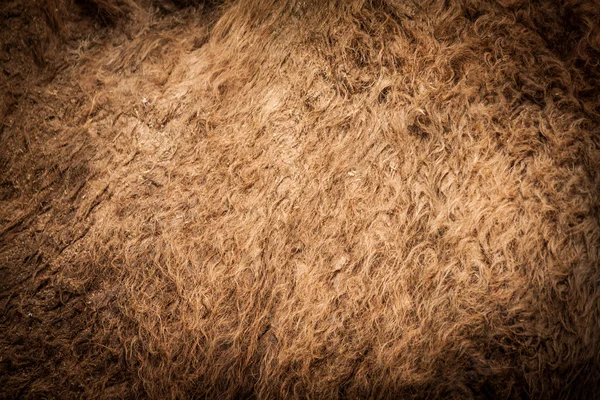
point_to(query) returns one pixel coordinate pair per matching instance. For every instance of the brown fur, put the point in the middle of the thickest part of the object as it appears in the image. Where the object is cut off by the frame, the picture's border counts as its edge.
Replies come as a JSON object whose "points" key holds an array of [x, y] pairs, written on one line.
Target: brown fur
{"points": [[300, 199]]}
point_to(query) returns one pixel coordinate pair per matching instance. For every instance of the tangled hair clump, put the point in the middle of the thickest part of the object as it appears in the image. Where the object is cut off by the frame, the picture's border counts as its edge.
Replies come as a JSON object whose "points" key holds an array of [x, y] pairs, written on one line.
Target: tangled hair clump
{"points": [[289, 199]]}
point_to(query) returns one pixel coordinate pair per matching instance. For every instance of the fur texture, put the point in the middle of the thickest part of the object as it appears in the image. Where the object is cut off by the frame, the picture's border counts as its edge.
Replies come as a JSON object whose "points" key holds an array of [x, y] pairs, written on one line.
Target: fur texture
{"points": [[291, 199]]}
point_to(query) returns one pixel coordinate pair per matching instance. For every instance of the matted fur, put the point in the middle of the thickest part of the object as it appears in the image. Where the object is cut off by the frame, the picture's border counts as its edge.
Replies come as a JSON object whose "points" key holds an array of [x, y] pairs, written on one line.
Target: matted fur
{"points": [[290, 199]]}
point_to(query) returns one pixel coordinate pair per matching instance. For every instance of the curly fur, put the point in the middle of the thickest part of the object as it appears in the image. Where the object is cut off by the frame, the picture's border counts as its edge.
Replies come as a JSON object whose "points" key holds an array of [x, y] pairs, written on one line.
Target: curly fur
{"points": [[291, 199]]}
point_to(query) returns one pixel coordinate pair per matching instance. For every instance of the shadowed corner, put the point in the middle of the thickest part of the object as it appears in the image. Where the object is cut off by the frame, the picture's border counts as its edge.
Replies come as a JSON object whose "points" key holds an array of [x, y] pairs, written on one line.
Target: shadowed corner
{"points": [[299, 199]]}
